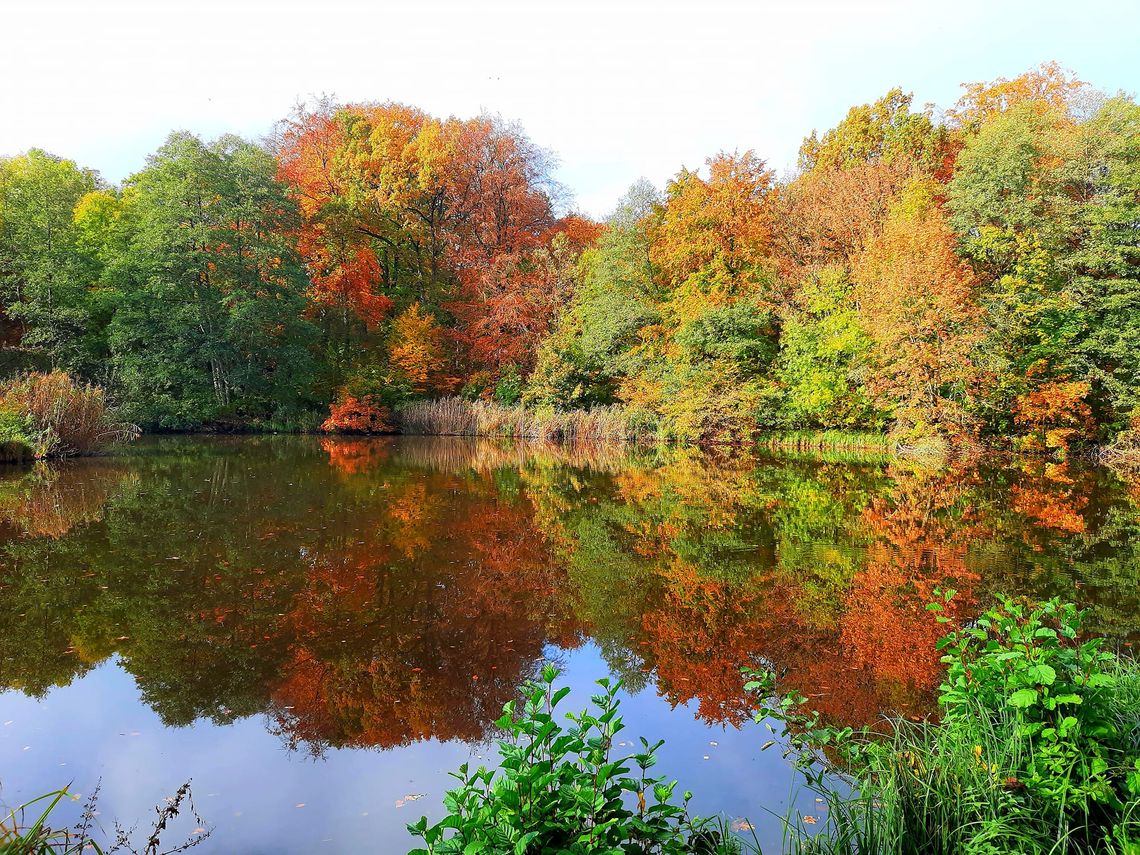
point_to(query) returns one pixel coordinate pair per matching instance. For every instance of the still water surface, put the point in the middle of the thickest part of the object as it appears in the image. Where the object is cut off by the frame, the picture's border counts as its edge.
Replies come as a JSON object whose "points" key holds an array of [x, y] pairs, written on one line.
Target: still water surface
{"points": [[316, 630]]}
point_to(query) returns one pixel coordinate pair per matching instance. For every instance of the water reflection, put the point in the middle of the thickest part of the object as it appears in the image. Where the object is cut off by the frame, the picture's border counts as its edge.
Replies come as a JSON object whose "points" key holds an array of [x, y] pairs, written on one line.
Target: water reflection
{"points": [[375, 593]]}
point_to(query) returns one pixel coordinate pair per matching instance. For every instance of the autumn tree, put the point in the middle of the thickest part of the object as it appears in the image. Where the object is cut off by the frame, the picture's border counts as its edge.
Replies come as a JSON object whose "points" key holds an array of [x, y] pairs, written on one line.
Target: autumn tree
{"points": [[916, 300], [417, 350], [1047, 87], [882, 132]]}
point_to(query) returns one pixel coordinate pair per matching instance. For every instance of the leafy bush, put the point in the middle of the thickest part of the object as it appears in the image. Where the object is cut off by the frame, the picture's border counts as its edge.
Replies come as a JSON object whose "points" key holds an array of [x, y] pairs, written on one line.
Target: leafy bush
{"points": [[1027, 665], [562, 790], [365, 414], [509, 387], [1037, 750], [16, 444]]}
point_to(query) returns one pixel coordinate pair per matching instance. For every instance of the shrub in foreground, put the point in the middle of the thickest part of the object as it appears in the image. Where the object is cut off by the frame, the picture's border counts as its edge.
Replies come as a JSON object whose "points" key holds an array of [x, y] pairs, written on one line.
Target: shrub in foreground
{"points": [[560, 789], [60, 417], [1037, 750]]}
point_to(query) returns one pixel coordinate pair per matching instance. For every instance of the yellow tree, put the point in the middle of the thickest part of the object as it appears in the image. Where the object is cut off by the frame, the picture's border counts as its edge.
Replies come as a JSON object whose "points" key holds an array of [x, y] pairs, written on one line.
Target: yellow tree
{"points": [[917, 301], [1049, 86], [416, 350]]}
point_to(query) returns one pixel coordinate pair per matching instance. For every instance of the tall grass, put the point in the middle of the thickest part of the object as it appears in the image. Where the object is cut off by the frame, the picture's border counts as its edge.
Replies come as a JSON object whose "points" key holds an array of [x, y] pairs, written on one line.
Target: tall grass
{"points": [[460, 417], [26, 829], [62, 417]]}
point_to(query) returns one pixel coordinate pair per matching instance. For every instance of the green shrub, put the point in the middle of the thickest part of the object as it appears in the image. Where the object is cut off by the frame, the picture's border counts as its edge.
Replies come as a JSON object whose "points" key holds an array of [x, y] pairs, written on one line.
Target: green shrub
{"points": [[1028, 664], [561, 790], [509, 387], [1037, 750], [16, 442]]}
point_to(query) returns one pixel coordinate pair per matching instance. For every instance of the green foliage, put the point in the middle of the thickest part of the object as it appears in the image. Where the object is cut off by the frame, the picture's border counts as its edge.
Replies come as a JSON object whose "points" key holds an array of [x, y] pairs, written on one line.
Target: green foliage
{"points": [[1037, 749], [210, 322], [741, 333], [823, 351], [561, 789], [43, 278], [882, 131], [1029, 666], [16, 441], [509, 386], [581, 363]]}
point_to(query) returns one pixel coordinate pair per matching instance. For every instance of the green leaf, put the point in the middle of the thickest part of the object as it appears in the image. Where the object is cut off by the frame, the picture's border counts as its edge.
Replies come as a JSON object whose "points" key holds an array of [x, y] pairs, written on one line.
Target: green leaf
{"points": [[1023, 698], [1042, 673]]}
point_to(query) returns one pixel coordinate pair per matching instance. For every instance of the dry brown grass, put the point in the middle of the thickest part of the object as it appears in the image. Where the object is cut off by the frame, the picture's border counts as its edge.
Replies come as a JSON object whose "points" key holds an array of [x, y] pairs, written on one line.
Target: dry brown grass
{"points": [[65, 418], [459, 417]]}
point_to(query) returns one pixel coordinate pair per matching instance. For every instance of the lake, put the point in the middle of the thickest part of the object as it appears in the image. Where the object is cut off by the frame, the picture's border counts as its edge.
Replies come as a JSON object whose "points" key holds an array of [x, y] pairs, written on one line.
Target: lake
{"points": [[316, 630]]}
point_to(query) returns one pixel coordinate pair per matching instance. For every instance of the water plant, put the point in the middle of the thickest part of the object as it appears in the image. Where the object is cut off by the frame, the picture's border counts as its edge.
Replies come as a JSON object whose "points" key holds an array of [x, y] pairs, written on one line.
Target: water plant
{"points": [[21, 836], [562, 789]]}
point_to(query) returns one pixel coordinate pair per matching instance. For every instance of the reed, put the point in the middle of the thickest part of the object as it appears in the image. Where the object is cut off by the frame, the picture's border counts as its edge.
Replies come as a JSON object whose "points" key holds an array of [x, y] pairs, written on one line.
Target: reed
{"points": [[63, 418], [459, 417]]}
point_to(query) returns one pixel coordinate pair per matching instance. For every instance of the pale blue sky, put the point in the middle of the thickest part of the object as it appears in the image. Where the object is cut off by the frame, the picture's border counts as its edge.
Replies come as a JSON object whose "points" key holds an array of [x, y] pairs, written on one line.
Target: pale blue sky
{"points": [[617, 89]]}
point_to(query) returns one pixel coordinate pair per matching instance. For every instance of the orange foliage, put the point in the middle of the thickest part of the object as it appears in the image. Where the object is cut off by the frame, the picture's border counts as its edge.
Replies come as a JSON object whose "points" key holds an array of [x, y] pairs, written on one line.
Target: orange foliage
{"points": [[416, 349], [916, 300], [1049, 85], [826, 216], [717, 230], [358, 415], [1054, 410]]}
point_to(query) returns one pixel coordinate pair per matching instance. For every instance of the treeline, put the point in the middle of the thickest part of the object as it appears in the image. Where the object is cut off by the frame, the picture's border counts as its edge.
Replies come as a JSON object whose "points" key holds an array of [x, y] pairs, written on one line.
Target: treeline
{"points": [[971, 274]]}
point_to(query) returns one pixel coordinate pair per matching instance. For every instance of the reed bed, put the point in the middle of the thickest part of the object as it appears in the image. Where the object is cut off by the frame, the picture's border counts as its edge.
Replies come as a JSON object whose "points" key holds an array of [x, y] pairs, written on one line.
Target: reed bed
{"points": [[63, 418], [459, 417]]}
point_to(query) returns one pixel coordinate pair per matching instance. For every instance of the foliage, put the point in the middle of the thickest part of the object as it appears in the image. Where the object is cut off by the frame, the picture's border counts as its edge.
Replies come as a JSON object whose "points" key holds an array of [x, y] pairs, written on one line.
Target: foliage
{"points": [[358, 415], [962, 276], [916, 302], [509, 387], [1036, 749], [562, 789], [209, 324]]}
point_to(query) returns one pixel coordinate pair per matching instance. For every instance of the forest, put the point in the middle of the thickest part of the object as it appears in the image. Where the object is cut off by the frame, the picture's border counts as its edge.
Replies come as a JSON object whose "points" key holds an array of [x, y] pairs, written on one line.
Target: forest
{"points": [[969, 274]]}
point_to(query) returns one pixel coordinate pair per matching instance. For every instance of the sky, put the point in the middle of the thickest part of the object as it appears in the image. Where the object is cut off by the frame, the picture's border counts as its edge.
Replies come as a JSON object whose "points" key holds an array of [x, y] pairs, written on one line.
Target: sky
{"points": [[618, 89]]}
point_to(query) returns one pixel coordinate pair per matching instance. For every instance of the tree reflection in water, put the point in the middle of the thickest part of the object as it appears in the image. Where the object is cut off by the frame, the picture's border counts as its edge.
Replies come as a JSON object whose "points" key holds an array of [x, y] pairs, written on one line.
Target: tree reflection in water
{"points": [[376, 592]]}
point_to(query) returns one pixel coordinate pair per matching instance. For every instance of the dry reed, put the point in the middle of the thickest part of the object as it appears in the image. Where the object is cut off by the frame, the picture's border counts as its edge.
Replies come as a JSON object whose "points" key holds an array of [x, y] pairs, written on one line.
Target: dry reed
{"points": [[65, 418], [459, 417]]}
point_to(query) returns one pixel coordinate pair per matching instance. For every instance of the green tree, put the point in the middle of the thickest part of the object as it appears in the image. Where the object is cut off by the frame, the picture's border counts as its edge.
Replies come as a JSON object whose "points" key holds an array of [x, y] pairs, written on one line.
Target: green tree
{"points": [[824, 357], [581, 362], [210, 324], [43, 281]]}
